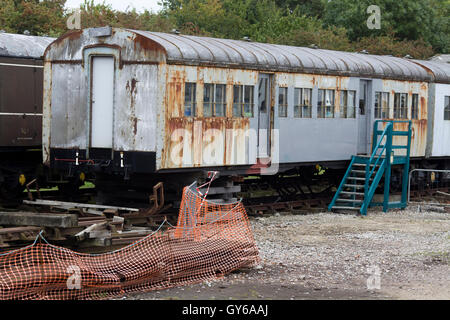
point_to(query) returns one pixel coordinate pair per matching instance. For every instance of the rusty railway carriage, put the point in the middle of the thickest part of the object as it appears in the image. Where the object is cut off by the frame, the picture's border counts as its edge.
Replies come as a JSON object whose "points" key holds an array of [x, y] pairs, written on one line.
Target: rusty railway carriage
{"points": [[21, 83], [146, 105]]}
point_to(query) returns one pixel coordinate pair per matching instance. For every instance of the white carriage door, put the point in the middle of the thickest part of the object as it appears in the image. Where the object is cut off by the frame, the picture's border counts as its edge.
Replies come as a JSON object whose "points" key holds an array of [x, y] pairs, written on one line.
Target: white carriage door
{"points": [[364, 117], [264, 116], [102, 102]]}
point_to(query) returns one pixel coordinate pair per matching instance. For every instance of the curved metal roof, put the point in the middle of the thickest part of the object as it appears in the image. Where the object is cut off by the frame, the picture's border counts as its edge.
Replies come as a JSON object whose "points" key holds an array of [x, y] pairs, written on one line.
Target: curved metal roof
{"points": [[194, 50], [440, 70], [444, 58], [22, 46]]}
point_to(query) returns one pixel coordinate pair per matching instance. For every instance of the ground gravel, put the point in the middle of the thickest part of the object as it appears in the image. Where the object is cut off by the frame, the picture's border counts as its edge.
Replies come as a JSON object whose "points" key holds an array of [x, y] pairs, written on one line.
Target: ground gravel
{"points": [[332, 256]]}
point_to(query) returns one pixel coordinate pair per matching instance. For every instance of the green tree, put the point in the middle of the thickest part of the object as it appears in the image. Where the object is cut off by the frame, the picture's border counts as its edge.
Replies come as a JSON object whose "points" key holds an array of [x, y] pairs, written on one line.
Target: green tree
{"points": [[45, 17], [261, 20], [440, 26], [389, 45], [405, 19], [419, 28], [311, 8]]}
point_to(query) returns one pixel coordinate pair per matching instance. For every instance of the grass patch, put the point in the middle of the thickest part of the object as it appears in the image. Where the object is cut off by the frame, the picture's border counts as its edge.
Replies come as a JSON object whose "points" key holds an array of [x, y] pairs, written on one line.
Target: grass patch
{"points": [[86, 186]]}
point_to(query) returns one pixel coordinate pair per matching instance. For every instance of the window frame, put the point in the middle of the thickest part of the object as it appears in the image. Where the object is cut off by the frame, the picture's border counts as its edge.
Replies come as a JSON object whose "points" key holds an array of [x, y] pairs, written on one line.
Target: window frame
{"points": [[446, 108], [284, 105], [345, 106], [241, 102], [384, 111], [193, 99], [321, 104], [415, 106], [300, 105], [398, 108], [214, 102]]}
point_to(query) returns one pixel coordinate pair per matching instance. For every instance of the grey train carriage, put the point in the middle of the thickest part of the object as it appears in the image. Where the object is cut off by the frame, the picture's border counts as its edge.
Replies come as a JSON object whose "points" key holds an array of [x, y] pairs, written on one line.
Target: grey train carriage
{"points": [[138, 104]]}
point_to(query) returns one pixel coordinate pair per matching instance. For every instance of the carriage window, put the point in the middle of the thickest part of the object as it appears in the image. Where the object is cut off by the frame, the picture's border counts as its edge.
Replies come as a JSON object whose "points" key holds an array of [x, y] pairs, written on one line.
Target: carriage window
{"points": [[348, 104], [447, 108], [238, 98], [382, 105], [415, 107], [249, 101], [283, 102], [325, 108], [220, 101], [302, 103], [401, 106], [214, 100], [243, 101], [208, 100], [190, 94]]}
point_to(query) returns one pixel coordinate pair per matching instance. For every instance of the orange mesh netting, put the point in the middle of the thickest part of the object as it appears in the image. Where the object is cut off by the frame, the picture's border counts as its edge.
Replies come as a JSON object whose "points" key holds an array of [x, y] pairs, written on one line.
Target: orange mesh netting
{"points": [[210, 240]]}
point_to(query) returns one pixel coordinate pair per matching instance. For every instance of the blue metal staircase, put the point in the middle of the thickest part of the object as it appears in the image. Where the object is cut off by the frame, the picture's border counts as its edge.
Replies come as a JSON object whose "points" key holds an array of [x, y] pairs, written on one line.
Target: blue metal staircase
{"points": [[365, 173]]}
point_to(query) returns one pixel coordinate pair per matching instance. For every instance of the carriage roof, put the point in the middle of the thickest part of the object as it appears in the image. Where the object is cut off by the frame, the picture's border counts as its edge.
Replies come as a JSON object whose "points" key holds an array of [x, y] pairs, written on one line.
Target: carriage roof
{"points": [[206, 51], [184, 49], [22, 46]]}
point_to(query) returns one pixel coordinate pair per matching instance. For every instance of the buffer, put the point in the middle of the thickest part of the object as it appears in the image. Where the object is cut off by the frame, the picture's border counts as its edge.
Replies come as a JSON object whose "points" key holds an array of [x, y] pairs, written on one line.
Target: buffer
{"points": [[365, 173]]}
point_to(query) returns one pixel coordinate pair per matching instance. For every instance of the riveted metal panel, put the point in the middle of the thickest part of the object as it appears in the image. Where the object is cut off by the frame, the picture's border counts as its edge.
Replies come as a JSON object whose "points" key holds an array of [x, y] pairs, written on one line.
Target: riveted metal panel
{"points": [[69, 114], [136, 105]]}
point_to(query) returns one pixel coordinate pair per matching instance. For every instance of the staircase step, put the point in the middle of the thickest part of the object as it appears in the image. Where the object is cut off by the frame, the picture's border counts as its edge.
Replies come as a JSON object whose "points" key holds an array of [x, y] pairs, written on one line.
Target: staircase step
{"points": [[346, 208], [356, 178], [359, 171], [349, 200], [364, 156], [353, 193], [363, 165], [357, 186]]}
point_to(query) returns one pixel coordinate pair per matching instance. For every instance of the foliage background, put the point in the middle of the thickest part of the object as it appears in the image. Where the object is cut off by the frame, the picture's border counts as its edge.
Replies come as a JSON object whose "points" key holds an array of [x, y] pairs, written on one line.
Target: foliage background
{"points": [[420, 28]]}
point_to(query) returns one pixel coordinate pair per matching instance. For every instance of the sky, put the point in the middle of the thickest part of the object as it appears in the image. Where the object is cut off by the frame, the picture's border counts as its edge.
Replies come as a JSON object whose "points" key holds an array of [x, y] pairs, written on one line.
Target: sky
{"points": [[121, 4]]}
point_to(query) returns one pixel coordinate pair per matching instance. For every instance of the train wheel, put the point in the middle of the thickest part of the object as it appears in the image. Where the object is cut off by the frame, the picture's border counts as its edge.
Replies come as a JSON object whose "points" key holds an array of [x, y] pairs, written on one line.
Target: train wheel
{"points": [[71, 189], [12, 186]]}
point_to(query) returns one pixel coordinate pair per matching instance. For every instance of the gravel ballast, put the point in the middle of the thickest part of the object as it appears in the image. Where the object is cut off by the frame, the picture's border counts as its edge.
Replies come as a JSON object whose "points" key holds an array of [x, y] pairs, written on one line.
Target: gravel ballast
{"points": [[332, 256]]}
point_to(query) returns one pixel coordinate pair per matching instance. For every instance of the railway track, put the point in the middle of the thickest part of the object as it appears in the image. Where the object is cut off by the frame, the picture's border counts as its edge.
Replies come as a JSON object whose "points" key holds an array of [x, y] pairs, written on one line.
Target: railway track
{"points": [[319, 202], [102, 229], [91, 229]]}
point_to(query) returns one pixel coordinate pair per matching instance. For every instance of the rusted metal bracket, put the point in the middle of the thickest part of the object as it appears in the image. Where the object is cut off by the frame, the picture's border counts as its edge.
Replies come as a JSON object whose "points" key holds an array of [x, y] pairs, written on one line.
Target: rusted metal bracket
{"points": [[157, 199], [30, 195]]}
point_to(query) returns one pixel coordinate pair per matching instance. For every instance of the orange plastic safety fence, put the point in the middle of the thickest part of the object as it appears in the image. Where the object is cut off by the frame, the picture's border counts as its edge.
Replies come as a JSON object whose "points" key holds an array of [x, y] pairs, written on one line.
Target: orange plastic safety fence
{"points": [[210, 241]]}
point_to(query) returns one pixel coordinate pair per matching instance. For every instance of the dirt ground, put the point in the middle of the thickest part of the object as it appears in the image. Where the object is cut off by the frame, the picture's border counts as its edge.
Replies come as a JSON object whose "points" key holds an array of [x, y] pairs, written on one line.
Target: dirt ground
{"points": [[336, 256]]}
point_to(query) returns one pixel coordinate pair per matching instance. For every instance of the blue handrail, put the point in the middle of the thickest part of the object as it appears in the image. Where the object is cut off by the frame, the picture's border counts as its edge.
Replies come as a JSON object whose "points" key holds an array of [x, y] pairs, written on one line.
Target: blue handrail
{"points": [[382, 161], [341, 186], [375, 151], [369, 188]]}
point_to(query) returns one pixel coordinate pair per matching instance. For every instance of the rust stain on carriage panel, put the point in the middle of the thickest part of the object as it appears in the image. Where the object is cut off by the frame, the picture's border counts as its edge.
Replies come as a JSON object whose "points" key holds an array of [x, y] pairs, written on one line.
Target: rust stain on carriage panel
{"points": [[132, 90], [419, 126], [423, 105], [418, 137], [69, 36], [197, 142], [203, 141], [152, 50]]}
